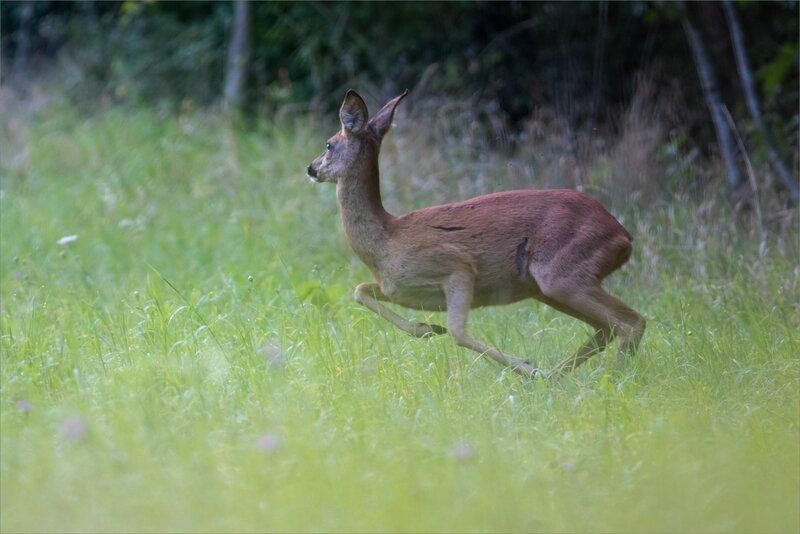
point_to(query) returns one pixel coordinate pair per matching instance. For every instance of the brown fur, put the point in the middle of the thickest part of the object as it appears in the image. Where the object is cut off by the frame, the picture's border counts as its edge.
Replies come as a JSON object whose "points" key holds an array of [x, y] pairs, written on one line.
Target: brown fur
{"points": [[552, 245]]}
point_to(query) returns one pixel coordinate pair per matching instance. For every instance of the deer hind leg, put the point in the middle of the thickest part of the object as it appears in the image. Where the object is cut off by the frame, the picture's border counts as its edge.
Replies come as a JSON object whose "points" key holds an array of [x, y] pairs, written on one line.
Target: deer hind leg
{"points": [[589, 302], [625, 323], [595, 345], [458, 292], [369, 295]]}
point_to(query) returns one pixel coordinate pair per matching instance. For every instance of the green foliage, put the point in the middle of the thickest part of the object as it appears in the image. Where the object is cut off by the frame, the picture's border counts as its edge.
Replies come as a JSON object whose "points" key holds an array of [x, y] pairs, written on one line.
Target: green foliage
{"points": [[579, 58], [515, 62], [193, 361], [773, 74], [146, 55]]}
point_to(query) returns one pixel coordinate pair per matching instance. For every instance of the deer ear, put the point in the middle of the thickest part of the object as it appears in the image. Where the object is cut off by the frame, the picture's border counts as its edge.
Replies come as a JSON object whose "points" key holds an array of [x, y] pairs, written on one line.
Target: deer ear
{"points": [[353, 114], [382, 120]]}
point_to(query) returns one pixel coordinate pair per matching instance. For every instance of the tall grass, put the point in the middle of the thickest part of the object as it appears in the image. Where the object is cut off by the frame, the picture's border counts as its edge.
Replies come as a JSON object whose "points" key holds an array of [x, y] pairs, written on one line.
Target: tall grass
{"points": [[194, 361]]}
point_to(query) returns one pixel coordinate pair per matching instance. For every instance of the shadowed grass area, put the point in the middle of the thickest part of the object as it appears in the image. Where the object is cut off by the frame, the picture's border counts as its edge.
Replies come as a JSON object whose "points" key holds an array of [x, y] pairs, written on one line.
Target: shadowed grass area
{"points": [[194, 361]]}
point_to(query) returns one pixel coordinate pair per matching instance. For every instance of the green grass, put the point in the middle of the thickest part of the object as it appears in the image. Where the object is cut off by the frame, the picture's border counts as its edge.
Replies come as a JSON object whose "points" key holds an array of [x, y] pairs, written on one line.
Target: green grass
{"points": [[139, 391]]}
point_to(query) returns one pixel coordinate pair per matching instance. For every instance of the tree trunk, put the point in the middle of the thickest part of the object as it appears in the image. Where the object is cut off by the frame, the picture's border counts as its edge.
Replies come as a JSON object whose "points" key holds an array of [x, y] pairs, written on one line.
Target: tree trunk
{"points": [[711, 93], [598, 67], [238, 58], [745, 76], [22, 55]]}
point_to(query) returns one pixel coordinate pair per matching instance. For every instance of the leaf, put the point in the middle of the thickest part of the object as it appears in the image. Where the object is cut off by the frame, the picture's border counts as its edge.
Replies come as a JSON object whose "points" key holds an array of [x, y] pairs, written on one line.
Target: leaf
{"points": [[335, 292], [304, 290], [773, 73]]}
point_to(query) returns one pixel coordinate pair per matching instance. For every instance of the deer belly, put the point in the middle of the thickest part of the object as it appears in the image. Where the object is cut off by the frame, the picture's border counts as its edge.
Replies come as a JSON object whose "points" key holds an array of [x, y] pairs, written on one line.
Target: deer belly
{"points": [[502, 294], [428, 297], [431, 297]]}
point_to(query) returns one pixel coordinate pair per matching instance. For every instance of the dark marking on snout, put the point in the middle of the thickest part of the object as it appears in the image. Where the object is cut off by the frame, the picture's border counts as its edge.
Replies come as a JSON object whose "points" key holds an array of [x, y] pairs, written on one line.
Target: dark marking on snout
{"points": [[450, 228], [311, 171], [522, 257]]}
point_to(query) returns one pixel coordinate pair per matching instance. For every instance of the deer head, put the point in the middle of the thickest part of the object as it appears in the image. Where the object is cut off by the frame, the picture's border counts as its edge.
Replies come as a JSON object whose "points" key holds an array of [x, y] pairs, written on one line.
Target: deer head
{"points": [[358, 142]]}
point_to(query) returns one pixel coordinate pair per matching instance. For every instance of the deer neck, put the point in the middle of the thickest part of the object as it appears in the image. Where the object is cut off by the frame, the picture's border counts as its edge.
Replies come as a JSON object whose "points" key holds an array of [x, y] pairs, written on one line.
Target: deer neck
{"points": [[364, 218]]}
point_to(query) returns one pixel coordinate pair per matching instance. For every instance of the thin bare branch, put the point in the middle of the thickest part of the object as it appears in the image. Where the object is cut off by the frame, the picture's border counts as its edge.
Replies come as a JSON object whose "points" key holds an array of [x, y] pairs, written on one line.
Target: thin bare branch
{"points": [[788, 180], [713, 97]]}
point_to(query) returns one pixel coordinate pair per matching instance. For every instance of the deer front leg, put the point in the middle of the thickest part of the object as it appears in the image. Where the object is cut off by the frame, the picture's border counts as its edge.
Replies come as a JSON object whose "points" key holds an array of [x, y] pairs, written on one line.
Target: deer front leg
{"points": [[369, 294], [458, 292]]}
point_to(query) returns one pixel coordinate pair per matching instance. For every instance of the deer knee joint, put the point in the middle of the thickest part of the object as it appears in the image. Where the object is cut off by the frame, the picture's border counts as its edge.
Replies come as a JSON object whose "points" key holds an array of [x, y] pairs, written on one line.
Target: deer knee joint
{"points": [[461, 338], [632, 326], [641, 324], [363, 292], [637, 329], [358, 294]]}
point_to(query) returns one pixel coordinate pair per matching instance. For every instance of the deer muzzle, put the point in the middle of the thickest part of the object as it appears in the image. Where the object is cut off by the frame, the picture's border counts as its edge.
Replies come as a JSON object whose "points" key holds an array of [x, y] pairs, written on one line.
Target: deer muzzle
{"points": [[312, 173]]}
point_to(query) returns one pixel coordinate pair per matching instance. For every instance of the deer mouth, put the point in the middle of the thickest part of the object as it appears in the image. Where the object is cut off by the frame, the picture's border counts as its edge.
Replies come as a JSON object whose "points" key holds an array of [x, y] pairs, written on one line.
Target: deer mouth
{"points": [[311, 172]]}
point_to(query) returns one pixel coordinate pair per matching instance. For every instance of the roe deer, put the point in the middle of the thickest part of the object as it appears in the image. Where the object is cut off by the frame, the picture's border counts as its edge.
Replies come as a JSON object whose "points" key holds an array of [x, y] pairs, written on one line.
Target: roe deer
{"points": [[555, 246]]}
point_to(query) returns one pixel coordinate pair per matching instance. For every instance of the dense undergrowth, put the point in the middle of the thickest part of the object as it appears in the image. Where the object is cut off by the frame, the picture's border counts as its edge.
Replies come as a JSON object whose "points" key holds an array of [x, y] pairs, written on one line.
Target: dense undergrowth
{"points": [[180, 349]]}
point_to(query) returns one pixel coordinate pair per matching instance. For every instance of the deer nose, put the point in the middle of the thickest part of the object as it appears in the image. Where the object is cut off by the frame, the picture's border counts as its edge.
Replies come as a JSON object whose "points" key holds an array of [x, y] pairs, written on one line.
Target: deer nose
{"points": [[312, 172]]}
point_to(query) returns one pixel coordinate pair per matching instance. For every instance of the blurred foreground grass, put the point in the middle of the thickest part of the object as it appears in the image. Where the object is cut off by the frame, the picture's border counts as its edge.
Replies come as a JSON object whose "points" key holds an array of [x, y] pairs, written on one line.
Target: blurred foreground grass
{"points": [[193, 359]]}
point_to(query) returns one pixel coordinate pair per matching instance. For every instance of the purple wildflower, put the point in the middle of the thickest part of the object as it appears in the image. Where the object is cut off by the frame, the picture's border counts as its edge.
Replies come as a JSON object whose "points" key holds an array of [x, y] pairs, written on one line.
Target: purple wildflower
{"points": [[73, 428], [273, 355], [462, 451], [24, 406], [268, 442]]}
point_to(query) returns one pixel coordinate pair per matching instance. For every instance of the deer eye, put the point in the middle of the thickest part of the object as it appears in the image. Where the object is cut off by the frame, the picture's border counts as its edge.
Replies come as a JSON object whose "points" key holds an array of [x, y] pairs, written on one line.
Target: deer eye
{"points": [[327, 146]]}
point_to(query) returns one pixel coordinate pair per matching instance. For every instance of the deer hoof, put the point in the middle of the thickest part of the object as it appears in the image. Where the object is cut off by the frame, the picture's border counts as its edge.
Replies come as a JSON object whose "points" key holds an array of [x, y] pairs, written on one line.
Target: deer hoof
{"points": [[527, 369], [425, 329]]}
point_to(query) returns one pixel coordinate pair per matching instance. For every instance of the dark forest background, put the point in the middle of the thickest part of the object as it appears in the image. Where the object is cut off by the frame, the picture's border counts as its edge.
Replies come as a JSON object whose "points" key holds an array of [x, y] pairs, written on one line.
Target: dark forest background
{"points": [[582, 62]]}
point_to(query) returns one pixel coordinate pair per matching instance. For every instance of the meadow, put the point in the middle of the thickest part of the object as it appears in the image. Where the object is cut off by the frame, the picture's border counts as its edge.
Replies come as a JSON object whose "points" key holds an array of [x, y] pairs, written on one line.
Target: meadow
{"points": [[181, 351]]}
